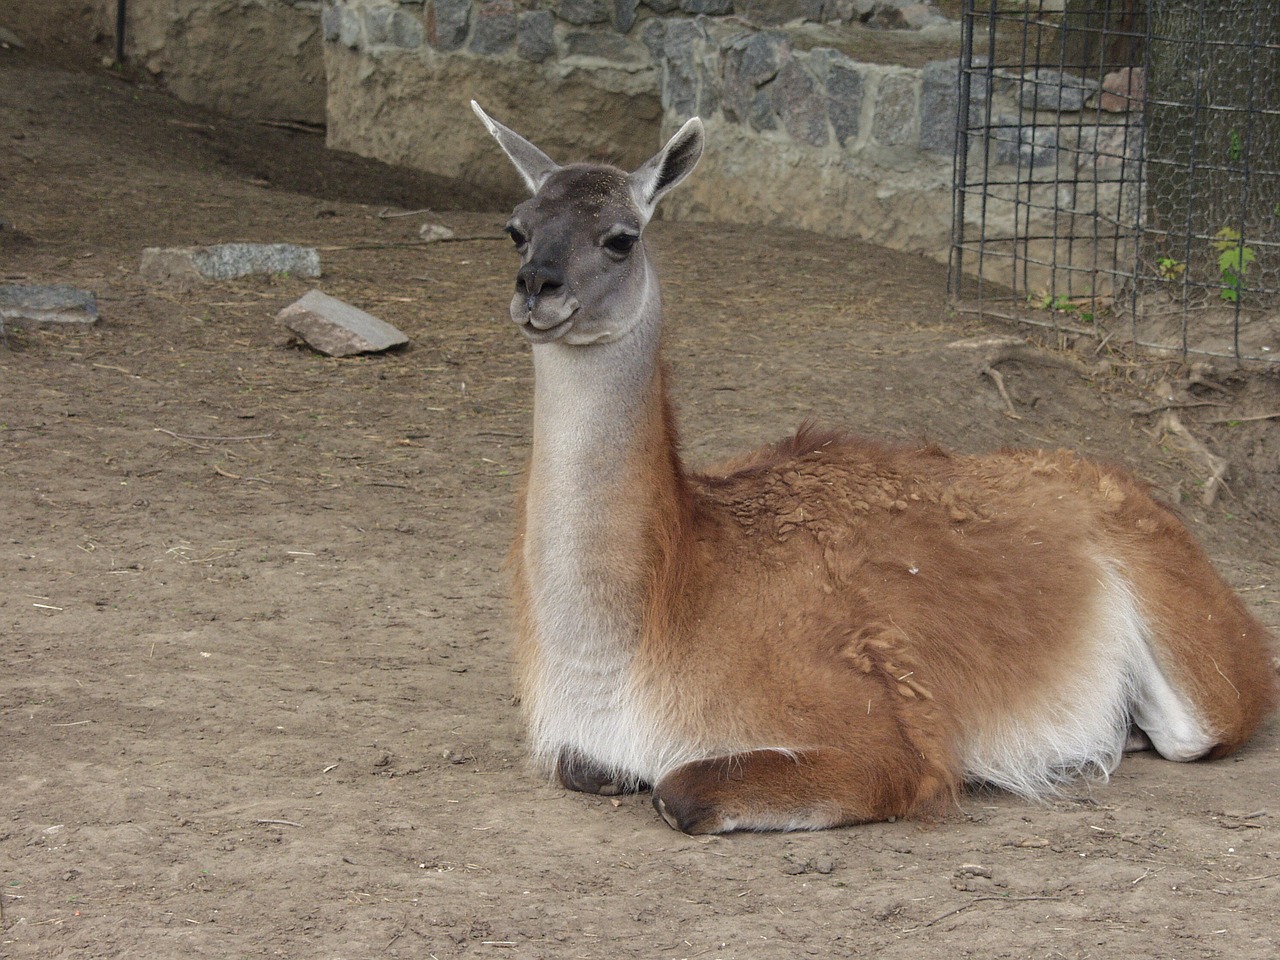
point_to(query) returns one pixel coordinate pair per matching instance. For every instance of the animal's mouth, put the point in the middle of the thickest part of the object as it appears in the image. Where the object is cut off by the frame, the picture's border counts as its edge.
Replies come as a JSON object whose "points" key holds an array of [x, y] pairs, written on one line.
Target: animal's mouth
{"points": [[536, 332], [535, 335]]}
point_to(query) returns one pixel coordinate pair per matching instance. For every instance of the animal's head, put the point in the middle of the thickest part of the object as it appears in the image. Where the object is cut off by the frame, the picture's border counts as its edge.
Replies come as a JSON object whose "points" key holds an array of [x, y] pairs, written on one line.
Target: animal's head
{"points": [[583, 276]]}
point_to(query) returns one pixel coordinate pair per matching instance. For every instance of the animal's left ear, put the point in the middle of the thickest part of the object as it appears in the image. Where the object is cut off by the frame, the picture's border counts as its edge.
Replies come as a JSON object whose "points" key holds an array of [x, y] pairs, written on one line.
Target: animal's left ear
{"points": [[669, 166], [534, 165]]}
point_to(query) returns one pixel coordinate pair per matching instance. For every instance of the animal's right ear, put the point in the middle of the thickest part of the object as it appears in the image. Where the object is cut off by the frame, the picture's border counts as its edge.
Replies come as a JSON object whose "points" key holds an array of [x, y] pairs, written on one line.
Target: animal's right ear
{"points": [[673, 163], [533, 165]]}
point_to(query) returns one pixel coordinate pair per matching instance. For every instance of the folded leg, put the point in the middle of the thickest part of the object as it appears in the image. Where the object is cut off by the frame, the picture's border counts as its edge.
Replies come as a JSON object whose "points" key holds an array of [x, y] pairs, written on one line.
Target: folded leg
{"points": [[785, 790]]}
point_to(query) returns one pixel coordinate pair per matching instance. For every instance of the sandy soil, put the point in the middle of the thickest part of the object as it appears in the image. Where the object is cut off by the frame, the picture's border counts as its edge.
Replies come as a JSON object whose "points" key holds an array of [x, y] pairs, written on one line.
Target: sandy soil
{"points": [[255, 682]]}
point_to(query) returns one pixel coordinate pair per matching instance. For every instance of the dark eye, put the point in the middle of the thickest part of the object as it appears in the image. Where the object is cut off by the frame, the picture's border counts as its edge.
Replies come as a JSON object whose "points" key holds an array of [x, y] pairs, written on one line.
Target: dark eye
{"points": [[621, 243], [518, 238]]}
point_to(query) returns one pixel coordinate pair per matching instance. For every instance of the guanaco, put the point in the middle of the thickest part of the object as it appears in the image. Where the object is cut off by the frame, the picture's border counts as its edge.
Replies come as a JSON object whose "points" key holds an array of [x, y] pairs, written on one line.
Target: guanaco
{"points": [[829, 630]]}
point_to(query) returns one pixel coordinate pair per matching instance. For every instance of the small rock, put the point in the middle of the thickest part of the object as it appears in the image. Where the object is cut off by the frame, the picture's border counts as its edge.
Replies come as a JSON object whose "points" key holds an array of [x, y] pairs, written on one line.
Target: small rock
{"points": [[795, 865], [535, 35], [336, 328], [227, 261], [434, 232], [47, 305], [10, 39], [823, 864], [1123, 90], [1054, 90], [973, 870], [914, 16]]}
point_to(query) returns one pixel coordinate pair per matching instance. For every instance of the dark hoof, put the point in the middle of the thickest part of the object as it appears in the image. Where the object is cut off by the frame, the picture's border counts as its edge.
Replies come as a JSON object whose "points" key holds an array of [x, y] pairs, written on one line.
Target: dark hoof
{"points": [[580, 774], [684, 807]]}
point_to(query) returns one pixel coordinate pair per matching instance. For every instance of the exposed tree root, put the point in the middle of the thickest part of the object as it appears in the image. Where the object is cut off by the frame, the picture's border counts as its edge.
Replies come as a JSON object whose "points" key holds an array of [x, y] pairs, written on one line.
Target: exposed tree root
{"points": [[1217, 466], [989, 351]]}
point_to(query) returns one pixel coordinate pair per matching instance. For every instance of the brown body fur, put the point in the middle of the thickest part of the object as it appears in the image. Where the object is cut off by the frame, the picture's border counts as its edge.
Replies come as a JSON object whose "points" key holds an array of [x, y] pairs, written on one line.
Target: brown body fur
{"points": [[881, 602], [829, 630]]}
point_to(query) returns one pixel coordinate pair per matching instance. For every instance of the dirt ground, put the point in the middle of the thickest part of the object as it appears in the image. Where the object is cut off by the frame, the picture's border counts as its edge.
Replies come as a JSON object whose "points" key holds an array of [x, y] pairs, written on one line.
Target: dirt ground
{"points": [[255, 682]]}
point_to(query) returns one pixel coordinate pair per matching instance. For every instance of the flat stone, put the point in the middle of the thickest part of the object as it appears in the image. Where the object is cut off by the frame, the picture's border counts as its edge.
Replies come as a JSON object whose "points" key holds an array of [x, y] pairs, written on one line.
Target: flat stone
{"points": [[495, 28], [751, 60], [653, 34], [711, 8], [798, 102], [603, 46], [1124, 90], [844, 85], [434, 232], [535, 35], [772, 13], [756, 57], [377, 25], [49, 306], [1030, 147], [11, 39], [680, 80], [914, 16], [330, 22], [1112, 144], [338, 329], [405, 30], [894, 122], [940, 103], [227, 261], [582, 12], [1055, 90], [384, 26], [624, 14], [448, 22]]}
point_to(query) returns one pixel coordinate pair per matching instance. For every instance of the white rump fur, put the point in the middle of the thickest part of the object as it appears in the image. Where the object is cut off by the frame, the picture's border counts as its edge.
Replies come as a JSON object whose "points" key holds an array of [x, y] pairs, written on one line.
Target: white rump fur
{"points": [[1084, 729]]}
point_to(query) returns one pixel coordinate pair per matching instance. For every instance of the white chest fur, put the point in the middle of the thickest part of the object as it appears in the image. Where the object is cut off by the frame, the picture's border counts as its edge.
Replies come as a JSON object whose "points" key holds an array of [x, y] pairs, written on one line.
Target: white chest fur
{"points": [[580, 524]]}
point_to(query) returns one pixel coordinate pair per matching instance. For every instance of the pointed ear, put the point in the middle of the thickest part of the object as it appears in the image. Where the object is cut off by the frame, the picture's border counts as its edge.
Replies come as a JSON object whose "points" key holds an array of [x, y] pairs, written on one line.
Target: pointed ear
{"points": [[533, 165], [673, 163]]}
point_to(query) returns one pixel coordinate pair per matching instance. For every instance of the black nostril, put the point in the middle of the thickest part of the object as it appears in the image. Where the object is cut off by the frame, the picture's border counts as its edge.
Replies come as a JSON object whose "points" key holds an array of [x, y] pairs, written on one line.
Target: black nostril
{"points": [[534, 279]]}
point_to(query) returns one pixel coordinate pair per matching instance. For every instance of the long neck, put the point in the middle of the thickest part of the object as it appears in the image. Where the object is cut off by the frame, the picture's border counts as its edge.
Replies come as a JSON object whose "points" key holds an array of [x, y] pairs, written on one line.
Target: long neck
{"points": [[606, 510], [604, 473]]}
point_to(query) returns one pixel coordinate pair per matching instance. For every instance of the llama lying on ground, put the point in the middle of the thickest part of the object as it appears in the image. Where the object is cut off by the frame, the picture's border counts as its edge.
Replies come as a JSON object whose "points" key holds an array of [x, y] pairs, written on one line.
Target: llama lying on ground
{"points": [[828, 630]]}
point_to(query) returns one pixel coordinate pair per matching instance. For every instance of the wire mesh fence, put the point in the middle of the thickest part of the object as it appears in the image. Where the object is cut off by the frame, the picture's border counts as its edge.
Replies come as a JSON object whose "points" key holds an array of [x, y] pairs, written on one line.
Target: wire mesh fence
{"points": [[1118, 171]]}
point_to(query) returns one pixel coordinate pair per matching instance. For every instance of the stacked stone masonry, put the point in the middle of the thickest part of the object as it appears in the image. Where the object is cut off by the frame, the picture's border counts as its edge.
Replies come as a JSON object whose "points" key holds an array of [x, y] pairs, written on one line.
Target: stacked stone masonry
{"points": [[805, 128]]}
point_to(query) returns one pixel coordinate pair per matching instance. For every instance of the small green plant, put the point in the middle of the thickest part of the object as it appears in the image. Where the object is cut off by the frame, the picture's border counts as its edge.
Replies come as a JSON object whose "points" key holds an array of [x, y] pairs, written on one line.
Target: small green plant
{"points": [[1233, 262], [1237, 146], [1170, 269], [1061, 304]]}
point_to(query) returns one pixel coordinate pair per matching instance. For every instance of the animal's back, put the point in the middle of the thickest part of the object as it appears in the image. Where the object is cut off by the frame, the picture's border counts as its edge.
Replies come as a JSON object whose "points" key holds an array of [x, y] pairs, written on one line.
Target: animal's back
{"points": [[1016, 612]]}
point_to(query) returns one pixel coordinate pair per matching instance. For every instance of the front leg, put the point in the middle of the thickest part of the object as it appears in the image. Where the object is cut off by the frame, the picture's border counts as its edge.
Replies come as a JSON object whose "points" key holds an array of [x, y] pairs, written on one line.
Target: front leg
{"points": [[785, 790], [578, 773]]}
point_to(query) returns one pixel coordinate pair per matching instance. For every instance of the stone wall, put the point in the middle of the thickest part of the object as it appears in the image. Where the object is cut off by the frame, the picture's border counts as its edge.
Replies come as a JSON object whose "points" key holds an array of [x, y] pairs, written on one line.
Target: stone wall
{"points": [[245, 58], [578, 78], [831, 115], [805, 135], [801, 132]]}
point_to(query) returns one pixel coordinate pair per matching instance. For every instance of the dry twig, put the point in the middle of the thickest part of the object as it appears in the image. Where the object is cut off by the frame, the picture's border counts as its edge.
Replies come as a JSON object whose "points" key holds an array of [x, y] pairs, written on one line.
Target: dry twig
{"points": [[192, 437], [1218, 466], [990, 351], [1253, 419], [966, 906]]}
